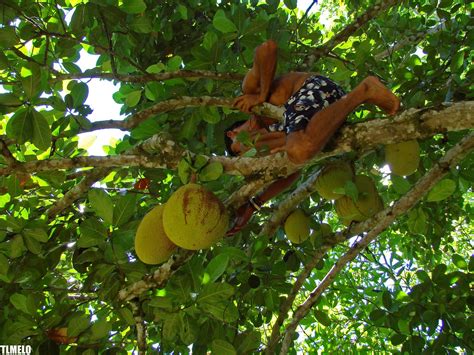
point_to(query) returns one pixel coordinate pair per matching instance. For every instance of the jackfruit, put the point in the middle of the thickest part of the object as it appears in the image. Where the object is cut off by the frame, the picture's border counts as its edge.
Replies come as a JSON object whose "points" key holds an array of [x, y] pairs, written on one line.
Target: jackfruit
{"points": [[333, 176], [297, 226], [151, 243], [403, 158], [322, 231], [367, 204], [194, 218]]}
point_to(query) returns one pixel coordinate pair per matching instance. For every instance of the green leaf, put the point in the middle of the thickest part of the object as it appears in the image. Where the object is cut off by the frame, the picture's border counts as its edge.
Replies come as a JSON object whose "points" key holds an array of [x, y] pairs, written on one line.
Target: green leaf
{"points": [[41, 131], [211, 172], [291, 4], [9, 100], [210, 114], [101, 329], [457, 61], [400, 184], [184, 171], [225, 312], [133, 98], [133, 6], [217, 267], [92, 233], [8, 37], [102, 204], [397, 339], [183, 11], [23, 303], [215, 293], [247, 342], [124, 209], [79, 93], [459, 261], [222, 347], [78, 324], [441, 191], [170, 327], [174, 63], [20, 126], [200, 161], [188, 329], [36, 233], [417, 221], [31, 80], [222, 23], [141, 24], [322, 318], [4, 264]]}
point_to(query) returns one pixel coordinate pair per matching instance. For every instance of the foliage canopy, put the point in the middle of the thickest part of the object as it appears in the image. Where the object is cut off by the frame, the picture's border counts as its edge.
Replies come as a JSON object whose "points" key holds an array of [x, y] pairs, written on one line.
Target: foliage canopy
{"points": [[68, 221]]}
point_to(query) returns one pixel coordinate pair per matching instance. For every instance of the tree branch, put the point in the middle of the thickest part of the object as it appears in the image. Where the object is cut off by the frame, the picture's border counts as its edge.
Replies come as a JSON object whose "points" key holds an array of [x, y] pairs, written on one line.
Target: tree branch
{"points": [[348, 31], [379, 223]]}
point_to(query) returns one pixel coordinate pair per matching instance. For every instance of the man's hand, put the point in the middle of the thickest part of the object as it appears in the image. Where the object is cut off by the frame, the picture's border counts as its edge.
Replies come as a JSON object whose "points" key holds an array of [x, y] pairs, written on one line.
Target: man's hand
{"points": [[246, 102], [242, 216]]}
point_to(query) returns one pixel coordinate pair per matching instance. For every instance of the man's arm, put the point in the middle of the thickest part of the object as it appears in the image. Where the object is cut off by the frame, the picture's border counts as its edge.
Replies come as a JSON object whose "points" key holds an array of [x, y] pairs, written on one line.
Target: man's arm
{"points": [[257, 83], [245, 212]]}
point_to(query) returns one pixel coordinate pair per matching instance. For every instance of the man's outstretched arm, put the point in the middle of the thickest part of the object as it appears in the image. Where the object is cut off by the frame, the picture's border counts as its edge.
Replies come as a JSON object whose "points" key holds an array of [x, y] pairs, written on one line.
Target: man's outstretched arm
{"points": [[245, 212], [257, 83]]}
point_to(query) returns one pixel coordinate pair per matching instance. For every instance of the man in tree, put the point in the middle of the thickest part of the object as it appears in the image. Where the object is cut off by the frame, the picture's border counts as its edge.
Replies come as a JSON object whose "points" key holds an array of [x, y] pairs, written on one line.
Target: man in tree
{"points": [[315, 108]]}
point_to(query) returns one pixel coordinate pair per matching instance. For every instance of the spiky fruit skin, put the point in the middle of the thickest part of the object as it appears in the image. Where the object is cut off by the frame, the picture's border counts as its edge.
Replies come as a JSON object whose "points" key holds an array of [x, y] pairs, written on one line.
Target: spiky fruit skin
{"points": [[403, 158], [368, 203], [151, 243], [297, 227], [194, 218], [332, 177], [322, 231]]}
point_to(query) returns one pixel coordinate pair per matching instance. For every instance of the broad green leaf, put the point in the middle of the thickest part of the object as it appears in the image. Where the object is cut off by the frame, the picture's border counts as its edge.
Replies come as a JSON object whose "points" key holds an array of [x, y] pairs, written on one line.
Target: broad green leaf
{"points": [[133, 6], [200, 161], [417, 221], [31, 80], [170, 327], [101, 329], [8, 37], [92, 233], [222, 347], [78, 324], [248, 341], [397, 339], [400, 184], [217, 267], [210, 114], [215, 292], [142, 24], [223, 311], [210, 38], [20, 126], [188, 329], [36, 233], [9, 100], [459, 261], [322, 318], [124, 209], [457, 61], [441, 191], [222, 23], [174, 63], [102, 204], [41, 131], [183, 11], [23, 303], [291, 4], [17, 247], [211, 172], [161, 302], [133, 98], [32, 245], [4, 264], [79, 93], [184, 171]]}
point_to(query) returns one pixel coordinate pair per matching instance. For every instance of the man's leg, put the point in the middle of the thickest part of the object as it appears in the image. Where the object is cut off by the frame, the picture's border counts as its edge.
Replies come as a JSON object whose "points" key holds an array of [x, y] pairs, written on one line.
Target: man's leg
{"points": [[303, 145]]}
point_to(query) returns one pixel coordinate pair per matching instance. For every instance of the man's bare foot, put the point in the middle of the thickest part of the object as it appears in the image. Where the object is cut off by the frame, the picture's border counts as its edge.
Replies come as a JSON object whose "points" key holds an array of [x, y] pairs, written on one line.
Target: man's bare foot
{"points": [[380, 95]]}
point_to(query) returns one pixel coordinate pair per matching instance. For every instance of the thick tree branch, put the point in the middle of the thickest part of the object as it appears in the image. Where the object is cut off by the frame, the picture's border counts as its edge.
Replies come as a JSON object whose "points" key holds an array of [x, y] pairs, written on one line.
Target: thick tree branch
{"points": [[379, 223], [348, 31], [158, 279]]}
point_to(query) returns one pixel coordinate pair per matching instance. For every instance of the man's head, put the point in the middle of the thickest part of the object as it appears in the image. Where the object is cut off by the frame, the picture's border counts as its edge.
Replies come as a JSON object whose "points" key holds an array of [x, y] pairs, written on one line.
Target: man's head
{"points": [[231, 133]]}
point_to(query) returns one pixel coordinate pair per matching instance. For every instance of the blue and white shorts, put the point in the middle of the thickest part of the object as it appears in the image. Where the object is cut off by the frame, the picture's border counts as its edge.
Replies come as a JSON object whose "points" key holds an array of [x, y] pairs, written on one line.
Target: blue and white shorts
{"points": [[316, 93]]}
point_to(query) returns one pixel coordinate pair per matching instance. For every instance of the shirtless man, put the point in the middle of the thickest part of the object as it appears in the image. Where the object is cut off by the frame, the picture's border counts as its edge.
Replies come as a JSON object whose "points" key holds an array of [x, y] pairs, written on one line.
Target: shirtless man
{"points": [[315, 108]]}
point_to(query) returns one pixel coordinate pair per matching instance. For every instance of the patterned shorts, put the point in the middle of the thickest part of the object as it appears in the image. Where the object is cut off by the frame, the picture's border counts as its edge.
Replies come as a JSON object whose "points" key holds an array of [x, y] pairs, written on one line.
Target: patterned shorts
{"points": [[316, 93]]}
